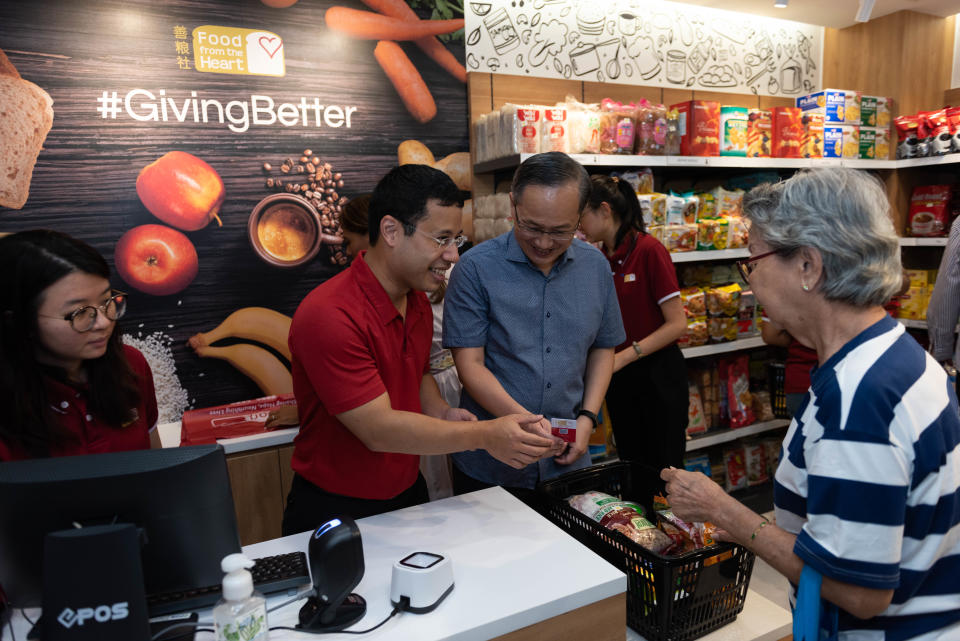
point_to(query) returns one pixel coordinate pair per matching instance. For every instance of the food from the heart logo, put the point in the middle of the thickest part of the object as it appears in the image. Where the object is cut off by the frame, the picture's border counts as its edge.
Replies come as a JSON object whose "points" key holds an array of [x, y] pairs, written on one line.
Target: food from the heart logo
{"points": [[265, 53]]}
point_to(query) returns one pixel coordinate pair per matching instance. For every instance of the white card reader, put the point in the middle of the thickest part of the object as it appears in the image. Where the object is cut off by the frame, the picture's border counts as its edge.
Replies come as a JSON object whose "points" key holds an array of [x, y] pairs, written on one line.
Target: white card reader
{"points": [[424, 578]]}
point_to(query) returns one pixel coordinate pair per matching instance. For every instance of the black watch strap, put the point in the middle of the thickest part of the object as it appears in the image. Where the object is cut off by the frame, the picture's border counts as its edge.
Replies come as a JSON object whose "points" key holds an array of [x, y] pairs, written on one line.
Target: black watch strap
{"points": [[591, 416]]}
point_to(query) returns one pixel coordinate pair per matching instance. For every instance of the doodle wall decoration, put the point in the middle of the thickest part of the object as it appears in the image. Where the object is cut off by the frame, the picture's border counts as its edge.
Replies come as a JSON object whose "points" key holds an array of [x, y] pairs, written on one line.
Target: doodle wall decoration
{"points": [[642, 42]]}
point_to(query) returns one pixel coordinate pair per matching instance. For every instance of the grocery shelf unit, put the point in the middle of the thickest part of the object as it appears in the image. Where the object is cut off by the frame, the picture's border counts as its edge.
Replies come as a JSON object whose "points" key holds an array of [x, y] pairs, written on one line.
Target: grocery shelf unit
{"points": [[716, 437]]}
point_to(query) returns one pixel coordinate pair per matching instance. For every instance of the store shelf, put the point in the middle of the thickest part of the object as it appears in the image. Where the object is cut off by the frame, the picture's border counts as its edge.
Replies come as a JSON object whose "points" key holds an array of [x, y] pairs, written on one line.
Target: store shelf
{"points": [[923, 242], [719, 254], [949, 159], [721, 348], [710, 439], [729, 162]]}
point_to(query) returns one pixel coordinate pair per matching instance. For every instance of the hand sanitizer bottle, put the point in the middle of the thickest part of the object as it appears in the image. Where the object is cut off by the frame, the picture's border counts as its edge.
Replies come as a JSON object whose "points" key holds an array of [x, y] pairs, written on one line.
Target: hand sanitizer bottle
{"points": [[241, 613]]}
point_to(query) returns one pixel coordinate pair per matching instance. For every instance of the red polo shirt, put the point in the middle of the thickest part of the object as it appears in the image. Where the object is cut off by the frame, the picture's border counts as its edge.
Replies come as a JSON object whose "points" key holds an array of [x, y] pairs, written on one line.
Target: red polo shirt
{"points": [[644, 277], [90, 434], [349, 345]]}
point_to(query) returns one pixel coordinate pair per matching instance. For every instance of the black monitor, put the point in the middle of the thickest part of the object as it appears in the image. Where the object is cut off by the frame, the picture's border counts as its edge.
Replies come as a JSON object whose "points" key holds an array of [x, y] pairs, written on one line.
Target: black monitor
{"points": [[179, 497]]}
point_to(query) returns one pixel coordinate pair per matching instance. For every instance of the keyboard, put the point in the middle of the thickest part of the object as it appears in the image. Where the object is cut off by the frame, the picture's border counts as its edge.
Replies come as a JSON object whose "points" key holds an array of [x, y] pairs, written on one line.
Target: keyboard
{"points": [[271, 574]]}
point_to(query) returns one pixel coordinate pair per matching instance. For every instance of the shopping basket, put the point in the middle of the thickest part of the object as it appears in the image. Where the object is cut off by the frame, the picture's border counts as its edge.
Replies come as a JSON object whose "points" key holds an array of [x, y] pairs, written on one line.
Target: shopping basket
{"points": [[669, 598]]}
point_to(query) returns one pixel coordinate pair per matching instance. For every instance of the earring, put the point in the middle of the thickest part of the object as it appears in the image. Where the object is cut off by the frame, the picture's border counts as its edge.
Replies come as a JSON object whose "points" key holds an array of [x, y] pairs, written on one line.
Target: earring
{"points": [[806, 287]]}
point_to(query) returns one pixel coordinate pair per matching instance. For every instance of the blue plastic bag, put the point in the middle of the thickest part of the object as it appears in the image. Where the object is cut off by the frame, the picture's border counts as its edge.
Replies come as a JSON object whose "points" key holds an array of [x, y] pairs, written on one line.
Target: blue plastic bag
{"points": [[813, 618]]}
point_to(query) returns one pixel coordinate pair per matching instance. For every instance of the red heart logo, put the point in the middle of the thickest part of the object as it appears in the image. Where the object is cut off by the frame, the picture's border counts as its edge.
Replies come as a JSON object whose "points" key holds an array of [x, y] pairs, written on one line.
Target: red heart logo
{"points": [[269, 40]]}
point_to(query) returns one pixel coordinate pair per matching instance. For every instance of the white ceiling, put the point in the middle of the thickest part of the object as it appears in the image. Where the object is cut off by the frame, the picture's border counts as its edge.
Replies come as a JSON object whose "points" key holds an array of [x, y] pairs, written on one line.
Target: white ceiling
{"points": [[830, 13]]}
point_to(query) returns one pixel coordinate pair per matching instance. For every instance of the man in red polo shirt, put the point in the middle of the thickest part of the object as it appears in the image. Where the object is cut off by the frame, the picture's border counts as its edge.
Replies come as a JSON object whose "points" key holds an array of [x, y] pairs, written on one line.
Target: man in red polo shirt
{"points": [[360, 346]]}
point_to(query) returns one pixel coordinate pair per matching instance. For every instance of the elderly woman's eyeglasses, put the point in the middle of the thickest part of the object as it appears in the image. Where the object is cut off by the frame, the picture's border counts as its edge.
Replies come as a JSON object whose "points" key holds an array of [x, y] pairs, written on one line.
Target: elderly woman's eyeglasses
{"points": [[560, 236], [746, 265], [83, 319]]}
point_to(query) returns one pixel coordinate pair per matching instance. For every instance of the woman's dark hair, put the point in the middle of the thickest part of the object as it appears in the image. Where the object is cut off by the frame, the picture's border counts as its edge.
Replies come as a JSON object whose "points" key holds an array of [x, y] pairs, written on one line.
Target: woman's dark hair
{"points": [[403, 193], [32, 261], [619, 194], [355, 215]]}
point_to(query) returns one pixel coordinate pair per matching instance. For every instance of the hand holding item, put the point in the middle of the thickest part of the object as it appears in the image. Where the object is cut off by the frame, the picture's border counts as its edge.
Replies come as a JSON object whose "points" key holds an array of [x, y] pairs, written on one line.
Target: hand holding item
{"points": [[458, 414], [510, 440], [579, 447], [694, 496]]}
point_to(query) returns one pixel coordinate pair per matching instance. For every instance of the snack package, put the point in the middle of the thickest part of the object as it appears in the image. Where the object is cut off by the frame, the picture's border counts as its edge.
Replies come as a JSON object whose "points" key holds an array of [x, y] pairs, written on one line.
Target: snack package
{"points": [[729, 202], [619, 128], [772, 447], [712, 233], [554, 134], [851, 141], [641, 180], [656, 231], [622, 516], [654, 208], [762, 406], [724, 301], [694, 301], [700, 533], [722, 329], [696, 423], [929, 211], [953, 120], [525, 125], [811, 145], [738, 234], [652, 129], [696, 334], [736, 468], [585, 126], [759, 133], [707, 205], [682, 209], [699, 127], [733, 126], [907, 136], [787, 132], [938, 128], [738, 391], [755, 459], [680, 238], [672, 141], [699, 463]]}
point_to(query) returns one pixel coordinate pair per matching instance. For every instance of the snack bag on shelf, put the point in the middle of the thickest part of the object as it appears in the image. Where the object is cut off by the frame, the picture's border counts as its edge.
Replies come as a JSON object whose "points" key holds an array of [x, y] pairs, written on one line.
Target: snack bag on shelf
{"points": [[738, 391], [736, 468], [929, 207], [554, 130], [762, 406], [671, 146], [772, 446], [759, 133], [525, 122], [699, 127], [907, 136], [698, 463], [851, 141], [729, 201], [656, 231], [675, 205], [940, 139], [695, 423], [738, 234], [694, 301], [722, 329], [724, 301], [586, 127], [696, 332], [680, 238], [707, 205], [755, 459], [811, 145], [619, 128], [787, 132], [654, 208], [733, 125], [641, 180], [712, 233], [652, 128], [953, 121]]}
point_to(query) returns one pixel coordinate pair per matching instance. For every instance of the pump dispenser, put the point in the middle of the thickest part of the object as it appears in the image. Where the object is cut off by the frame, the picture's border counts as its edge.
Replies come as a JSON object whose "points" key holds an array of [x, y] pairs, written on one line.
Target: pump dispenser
{"points": [[241, 613]]}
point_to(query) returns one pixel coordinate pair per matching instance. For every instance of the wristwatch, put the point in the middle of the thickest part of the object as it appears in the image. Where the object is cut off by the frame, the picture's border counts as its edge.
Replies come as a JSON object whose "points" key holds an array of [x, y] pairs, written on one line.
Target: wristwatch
{"points": [[593, 417], [636, 348]]}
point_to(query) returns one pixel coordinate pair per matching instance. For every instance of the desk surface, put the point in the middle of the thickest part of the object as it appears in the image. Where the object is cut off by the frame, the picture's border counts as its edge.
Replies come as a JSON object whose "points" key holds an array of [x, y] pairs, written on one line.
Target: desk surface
{"points": [[170, 437]]}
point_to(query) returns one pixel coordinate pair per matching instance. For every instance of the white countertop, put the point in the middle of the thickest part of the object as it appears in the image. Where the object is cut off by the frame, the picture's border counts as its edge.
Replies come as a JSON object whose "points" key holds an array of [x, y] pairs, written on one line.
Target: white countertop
{"points": [[170, 437]]}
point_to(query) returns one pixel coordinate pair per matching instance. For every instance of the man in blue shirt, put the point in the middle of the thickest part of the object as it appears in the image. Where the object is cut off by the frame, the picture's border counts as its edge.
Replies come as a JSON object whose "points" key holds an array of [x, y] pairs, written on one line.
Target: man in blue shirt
{"points": [[532, 320]]}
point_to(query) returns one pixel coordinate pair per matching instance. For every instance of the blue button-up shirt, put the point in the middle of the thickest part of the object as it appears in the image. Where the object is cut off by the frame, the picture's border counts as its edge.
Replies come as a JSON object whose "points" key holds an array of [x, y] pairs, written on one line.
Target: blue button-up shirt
{"points": [[536, 330]]}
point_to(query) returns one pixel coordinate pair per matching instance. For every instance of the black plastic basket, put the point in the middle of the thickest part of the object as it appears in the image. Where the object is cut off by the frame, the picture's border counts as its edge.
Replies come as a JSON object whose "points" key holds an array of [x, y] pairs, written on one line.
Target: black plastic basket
{"points": [[778, 399], [706, 588]]}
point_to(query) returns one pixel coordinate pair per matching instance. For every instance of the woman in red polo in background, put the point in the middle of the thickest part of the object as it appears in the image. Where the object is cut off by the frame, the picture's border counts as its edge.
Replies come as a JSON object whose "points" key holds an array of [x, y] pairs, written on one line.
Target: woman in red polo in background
{"points": [[68, 385], [648, 396]]}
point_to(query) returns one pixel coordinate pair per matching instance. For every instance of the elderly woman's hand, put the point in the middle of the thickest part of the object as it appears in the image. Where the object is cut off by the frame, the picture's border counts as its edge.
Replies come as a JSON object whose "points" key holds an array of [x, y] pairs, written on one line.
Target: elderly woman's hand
{"points": [[693, 496]]}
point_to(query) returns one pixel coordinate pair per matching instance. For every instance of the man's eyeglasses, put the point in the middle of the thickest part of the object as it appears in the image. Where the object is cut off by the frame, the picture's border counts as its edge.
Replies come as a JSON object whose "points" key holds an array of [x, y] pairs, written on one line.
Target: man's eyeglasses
{"points": [[442, 243], [746, 265], [83, 319], [560, 236]]}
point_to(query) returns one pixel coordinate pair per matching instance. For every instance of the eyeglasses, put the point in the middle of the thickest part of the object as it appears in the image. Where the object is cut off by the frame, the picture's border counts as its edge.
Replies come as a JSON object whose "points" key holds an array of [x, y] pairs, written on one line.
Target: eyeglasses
{"points": [[556, 236], [746, 265], [83, 319], [442, 243]]}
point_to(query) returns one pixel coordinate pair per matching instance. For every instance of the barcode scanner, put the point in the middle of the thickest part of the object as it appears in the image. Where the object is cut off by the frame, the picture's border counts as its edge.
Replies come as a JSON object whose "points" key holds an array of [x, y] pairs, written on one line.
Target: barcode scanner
{"points": [[335, 555]]}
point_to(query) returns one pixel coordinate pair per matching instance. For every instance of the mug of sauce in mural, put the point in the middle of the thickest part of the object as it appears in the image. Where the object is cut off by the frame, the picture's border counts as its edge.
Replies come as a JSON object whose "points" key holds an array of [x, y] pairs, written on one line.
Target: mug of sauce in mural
{"points": [[284, 230], [502, 33]]}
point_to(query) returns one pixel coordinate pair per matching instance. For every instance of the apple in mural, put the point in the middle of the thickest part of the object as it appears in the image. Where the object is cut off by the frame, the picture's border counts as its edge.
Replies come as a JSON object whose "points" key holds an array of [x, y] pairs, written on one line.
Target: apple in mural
{"points": [[156, 260], [181, 190]]}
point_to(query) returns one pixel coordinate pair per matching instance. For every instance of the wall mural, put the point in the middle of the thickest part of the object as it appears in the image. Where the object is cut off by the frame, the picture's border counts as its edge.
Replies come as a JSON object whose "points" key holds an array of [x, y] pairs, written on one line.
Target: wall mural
{"points": [[639, 42]]}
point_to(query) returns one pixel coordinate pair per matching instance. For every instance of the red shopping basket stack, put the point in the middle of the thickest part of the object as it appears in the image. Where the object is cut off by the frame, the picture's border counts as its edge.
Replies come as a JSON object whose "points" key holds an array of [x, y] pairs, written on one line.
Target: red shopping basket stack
{"points": [[669, 598]]}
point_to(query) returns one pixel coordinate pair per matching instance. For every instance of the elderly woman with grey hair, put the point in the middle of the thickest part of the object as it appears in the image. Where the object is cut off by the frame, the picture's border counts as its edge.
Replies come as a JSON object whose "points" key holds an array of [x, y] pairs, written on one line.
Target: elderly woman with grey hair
{"points": [[866, 492]]}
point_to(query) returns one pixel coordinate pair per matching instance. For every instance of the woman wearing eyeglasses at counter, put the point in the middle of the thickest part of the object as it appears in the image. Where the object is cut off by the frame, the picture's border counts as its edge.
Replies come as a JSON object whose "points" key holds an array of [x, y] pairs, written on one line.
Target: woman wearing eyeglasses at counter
{"points": [[648, 396], [866, 492], [68, 386]]}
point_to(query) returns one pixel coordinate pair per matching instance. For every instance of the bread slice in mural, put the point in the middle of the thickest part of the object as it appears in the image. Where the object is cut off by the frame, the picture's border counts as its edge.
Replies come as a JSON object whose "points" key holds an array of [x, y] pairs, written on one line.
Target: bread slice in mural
{"points": [[26, 116]]}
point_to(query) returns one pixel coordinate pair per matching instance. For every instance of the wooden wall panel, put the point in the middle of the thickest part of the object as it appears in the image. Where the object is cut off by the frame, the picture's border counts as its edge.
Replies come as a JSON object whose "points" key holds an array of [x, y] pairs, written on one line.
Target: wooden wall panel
{"points": [[256, 486], [952, 97], [924, 66], [597, 91], [769, 102], [673, 96], [538, 91], [732, 99]]}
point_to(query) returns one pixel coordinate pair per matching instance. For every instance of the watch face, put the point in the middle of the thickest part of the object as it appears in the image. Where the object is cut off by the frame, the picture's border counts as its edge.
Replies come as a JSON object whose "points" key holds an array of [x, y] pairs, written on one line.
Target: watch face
{"points": [[421, 560]]}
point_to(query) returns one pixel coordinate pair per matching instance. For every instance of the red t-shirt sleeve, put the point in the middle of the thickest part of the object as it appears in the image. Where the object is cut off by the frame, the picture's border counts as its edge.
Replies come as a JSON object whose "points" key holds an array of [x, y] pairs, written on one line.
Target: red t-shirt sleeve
{"points": [[148, 394], [337, 358], [661, 274]]}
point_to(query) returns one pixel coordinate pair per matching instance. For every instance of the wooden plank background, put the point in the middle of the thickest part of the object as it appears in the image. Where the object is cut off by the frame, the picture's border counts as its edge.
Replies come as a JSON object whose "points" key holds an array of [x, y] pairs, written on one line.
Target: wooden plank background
{"points": [[84, 181]]}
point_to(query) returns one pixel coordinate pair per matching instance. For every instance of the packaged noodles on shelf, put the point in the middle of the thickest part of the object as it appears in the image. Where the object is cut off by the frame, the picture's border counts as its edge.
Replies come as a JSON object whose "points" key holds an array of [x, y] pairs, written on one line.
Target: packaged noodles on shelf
{"points": [[554, 134]]}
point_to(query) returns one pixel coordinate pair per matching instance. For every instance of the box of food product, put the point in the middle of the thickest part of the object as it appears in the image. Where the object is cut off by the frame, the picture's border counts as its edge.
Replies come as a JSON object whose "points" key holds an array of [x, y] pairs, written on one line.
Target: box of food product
{"points": [[759, 133], [884, 112], [811, 145], [698, 463], [243, 418], [838, 106], [832, 141], [875, 111], [913, 304], [733, 125], [868, 143], [787, 132], [851, 141], [921, 277], [882, 143], [699, 127]]}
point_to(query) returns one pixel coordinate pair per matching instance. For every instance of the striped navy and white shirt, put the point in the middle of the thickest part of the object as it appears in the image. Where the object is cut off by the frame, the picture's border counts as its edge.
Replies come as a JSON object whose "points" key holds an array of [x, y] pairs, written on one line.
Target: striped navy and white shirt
{"points": [[869, 481]]}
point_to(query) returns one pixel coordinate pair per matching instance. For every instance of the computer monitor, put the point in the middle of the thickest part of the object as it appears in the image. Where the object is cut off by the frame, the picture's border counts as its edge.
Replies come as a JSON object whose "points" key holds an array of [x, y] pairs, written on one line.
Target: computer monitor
{"points": [[179, 497]]}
